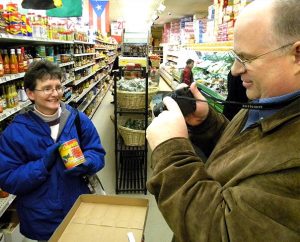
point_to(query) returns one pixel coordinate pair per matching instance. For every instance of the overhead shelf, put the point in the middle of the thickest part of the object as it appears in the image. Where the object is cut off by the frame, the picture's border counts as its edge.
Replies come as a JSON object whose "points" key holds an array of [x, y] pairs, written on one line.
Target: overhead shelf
{"points": [[216, 46], [123, 61], [20, 39]]}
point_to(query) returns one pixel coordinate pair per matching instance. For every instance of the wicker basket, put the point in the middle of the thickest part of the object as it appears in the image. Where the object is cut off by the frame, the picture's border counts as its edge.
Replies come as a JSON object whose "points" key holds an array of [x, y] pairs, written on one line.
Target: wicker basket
{"points": [[134, 100], [131, 137]]}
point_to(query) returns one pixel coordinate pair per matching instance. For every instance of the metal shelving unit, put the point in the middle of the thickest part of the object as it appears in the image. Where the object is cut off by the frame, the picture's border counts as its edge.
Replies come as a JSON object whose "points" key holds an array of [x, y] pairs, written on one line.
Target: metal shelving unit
{"points": [[131, 161]]}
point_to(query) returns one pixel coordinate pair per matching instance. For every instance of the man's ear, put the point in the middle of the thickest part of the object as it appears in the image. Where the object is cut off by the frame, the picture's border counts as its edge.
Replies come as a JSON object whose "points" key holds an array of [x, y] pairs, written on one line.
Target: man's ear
{"points": [[297, 52]]}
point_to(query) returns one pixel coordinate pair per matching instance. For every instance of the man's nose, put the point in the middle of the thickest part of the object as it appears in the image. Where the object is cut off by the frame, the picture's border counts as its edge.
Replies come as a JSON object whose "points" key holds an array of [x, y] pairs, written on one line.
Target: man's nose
{"points": [[237, 68]]}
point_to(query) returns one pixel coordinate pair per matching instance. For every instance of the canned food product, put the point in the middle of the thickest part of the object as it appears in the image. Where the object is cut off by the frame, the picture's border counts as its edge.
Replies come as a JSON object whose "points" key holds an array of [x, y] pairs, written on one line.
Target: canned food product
{"points": [[15, 29], [71, 154], [14, 18], [12, 7]]}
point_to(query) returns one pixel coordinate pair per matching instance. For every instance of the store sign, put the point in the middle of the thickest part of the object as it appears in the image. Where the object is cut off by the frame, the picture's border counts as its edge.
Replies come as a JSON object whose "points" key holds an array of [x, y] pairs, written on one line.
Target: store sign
{"points": [[98, 6], [116, 28]]}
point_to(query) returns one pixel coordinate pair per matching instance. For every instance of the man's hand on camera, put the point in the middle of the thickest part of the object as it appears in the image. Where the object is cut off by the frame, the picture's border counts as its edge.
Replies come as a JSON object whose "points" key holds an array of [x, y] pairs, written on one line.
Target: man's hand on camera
{"points": [[202, 108], [169, 124]]}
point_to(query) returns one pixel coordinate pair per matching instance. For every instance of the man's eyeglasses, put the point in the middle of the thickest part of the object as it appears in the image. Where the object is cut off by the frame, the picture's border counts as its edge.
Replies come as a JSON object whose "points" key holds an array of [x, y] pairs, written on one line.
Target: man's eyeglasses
{"points": [[243, 61], [48, 91]]}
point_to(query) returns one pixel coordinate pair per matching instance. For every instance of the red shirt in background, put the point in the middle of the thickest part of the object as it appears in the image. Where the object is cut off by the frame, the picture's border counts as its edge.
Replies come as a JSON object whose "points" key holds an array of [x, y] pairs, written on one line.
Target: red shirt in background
{"points": [[187, 76]]}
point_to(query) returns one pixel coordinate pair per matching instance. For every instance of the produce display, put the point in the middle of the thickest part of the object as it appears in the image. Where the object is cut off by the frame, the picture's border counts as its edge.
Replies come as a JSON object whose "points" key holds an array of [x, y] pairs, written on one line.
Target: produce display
{"points": [[137, 124], [133, 85], [212, 70]]}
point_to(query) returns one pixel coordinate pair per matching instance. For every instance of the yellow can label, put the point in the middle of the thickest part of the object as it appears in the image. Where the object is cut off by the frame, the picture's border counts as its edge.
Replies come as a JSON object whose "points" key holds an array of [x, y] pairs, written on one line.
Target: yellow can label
{"points": [[71, 154]]}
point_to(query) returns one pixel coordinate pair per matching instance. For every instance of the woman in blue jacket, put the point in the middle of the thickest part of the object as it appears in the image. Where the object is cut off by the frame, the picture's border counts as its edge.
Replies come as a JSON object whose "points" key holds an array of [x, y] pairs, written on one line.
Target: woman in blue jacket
{"points": [[31, 167]]}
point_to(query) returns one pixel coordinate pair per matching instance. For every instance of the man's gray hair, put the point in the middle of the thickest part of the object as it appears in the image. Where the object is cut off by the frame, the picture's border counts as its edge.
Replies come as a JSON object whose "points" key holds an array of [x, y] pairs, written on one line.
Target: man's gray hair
{"points": [[286, 22]]}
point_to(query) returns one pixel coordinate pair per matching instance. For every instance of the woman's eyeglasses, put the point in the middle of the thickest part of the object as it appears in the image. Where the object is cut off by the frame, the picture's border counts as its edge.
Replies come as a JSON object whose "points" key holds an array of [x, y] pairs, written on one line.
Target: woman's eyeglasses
{"points": [[49, 91]]}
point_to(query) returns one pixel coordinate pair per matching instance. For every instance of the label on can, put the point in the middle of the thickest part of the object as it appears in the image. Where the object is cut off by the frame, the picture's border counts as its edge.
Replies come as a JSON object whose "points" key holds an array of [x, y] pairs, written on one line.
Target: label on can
{"points": [[12, 7], [71, 154]]}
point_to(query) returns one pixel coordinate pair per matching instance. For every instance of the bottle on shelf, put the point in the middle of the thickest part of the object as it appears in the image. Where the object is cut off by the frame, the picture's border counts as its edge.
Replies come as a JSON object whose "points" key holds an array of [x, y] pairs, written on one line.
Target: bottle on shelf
{"points": [[15, 95], [6, 65], [25, 59], [13, 62], [9, 97], [3, 97], [1, 103], [29, 58], [23, 94], [20, 61], [1, 65]]}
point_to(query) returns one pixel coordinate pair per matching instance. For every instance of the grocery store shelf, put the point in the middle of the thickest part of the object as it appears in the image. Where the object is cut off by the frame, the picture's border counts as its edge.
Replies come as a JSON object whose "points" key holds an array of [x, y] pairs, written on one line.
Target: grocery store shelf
{"points": [[166, 76], [84, 54], [83, 42], [104, 94], [88, 102], [85, 91], [124, 60], [10, 111], [10, 77], [100, 48], [217, 46], [66, 64], [20, 39], [102, 41], [99, 57], [84, 78], [5, 202], [82, 67]]}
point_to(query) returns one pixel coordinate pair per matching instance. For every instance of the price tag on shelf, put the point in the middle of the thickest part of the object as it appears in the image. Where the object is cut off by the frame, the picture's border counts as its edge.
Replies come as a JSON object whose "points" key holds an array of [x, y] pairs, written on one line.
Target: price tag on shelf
{"points": [[3, 116]]}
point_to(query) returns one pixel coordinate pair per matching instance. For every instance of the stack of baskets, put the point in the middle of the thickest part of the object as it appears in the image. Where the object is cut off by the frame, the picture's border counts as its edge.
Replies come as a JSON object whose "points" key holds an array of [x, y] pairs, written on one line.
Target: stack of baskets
{"points": [[131, 137], [131, 95], [135, 100]]}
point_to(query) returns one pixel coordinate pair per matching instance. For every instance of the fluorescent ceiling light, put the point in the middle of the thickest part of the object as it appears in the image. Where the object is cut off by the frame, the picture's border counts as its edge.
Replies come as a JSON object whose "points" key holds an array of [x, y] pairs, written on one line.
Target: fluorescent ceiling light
{"points": [[161, 8]]}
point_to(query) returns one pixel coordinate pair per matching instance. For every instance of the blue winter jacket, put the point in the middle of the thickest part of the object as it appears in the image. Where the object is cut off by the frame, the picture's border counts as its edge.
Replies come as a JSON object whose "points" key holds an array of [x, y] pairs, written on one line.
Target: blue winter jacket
{"points": [[45, 197]]}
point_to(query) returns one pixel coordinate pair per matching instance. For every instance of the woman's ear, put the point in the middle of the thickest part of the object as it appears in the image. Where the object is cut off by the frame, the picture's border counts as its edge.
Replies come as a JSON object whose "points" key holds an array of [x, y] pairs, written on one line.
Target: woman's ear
{"points": [[30, 94]]}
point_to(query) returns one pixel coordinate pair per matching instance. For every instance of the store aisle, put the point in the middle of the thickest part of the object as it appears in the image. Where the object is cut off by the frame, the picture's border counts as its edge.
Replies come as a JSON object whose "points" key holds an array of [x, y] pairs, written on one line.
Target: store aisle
{"points": [[156, 228]]}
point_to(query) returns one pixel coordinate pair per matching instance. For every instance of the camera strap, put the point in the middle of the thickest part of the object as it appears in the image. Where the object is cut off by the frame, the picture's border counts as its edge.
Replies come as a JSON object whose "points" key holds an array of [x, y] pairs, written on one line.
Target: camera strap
{"points": [[249, 105]]}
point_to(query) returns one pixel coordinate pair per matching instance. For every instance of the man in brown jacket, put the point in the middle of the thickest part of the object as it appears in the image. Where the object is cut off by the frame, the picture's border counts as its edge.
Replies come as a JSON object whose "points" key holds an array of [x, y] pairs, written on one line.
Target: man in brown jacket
{"points": [[249, 188]]}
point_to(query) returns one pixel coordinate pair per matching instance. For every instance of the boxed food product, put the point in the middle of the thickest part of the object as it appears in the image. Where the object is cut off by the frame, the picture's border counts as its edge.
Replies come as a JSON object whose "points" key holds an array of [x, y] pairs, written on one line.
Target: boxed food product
{"points": [[95, 217]]}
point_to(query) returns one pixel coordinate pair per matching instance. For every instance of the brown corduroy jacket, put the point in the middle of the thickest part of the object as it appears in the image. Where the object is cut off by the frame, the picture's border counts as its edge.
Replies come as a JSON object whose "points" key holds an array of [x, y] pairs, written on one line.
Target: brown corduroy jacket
{"points": [[249, 188]]}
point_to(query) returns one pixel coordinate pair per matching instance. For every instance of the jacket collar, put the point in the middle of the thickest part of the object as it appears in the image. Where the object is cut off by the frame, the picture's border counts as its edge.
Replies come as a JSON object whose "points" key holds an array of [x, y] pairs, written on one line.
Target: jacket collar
{"points": [[283, 115]]}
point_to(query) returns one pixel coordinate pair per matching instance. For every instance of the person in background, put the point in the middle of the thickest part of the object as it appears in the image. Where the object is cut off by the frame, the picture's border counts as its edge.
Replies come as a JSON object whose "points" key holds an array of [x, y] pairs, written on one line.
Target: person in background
{"points": [[115, 67], [248, 189], [236, 93], [115, 70], [31, 167], [187, 74]]}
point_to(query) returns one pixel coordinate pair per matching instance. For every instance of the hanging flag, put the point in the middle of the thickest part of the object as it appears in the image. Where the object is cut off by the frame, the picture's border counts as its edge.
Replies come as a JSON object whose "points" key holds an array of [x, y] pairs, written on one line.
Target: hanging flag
{"points": [[37, 4], [70, 8], [98, 6]]}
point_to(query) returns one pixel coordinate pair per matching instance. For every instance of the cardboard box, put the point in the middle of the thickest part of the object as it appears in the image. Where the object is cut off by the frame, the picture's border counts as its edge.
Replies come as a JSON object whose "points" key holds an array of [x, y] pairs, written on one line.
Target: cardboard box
{"points": [[101, 218]]}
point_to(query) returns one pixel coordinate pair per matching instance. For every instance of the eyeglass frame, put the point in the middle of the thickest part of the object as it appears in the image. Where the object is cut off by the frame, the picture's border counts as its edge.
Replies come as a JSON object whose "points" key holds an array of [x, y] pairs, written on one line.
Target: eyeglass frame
{"points": [[60, 91], [243, 62]]}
